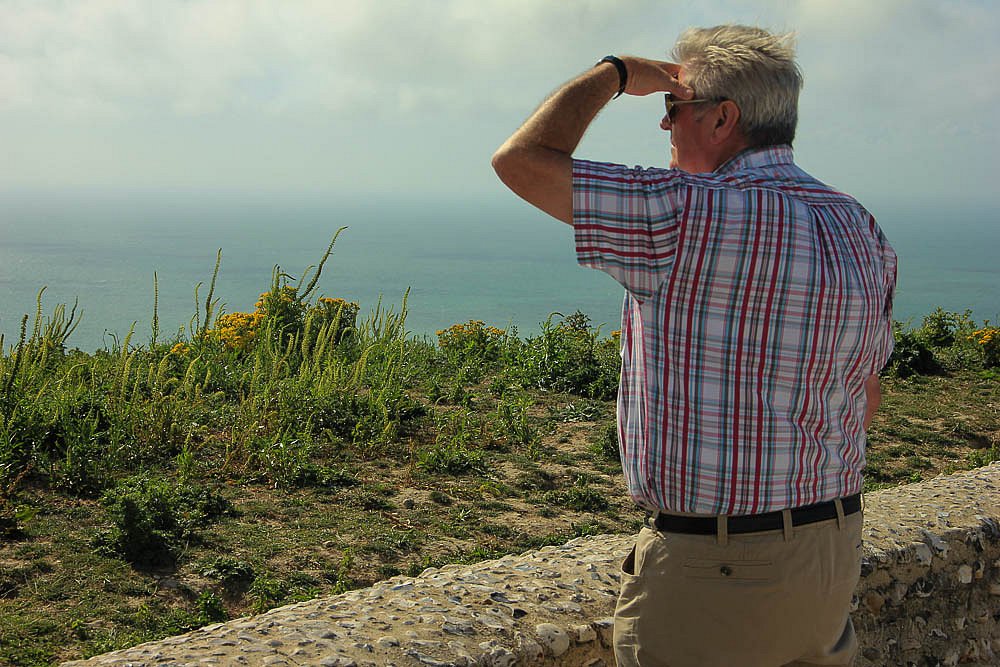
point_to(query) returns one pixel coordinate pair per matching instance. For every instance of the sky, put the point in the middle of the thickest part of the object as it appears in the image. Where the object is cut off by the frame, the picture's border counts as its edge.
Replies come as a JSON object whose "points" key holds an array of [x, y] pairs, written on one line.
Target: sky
{"points": [[372, 98]]}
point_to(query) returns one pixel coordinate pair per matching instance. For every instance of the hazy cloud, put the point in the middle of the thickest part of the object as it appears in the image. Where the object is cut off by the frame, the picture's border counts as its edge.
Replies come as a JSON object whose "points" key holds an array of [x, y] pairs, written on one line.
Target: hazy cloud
{"points": [[345, 94]]}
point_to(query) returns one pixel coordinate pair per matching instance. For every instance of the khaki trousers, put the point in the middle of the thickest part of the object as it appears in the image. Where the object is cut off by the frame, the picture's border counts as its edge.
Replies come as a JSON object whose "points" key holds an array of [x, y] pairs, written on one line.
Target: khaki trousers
{"points": [[770, 599]]}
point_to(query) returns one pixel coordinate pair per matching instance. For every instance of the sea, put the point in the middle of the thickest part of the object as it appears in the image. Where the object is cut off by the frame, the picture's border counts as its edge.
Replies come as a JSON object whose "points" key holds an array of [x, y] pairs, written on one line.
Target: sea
{"points": [[488, 258]]}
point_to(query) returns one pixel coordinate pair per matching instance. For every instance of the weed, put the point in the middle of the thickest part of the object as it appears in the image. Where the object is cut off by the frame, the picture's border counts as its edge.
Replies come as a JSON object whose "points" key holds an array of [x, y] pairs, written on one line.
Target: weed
{"points": [[580, 497], [340, 576], [984, 457], [605, 447], [417, 566], [499, 531], [585, 411], [229, 571], [440, 497], [267, 592], [454, 451], [13, 514], [514, 422], [210, 608], [451, 459], [152, 520], [390, 543], [987, 340]]}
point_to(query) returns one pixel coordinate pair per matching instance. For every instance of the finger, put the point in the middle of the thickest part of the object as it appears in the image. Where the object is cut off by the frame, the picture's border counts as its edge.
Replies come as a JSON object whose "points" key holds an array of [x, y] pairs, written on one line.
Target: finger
{"points": [[672, 83]]}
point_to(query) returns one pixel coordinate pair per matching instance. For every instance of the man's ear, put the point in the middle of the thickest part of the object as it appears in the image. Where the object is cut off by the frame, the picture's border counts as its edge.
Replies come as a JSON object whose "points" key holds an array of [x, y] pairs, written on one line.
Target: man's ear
{"points": [[727, 117]]}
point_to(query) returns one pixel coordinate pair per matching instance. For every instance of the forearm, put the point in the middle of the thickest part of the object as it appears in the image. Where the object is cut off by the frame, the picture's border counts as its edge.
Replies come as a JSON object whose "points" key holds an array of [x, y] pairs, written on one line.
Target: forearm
{"points": [[561, 120], [536, 161]]}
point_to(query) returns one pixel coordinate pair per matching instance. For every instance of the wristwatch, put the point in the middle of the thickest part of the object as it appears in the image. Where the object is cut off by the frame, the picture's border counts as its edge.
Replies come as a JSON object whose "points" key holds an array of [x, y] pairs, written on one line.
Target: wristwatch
{"points": [[622, 72]]}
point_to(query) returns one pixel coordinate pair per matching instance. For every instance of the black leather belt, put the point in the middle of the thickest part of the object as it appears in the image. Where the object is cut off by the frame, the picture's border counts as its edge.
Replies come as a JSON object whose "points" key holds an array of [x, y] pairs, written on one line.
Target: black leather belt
{"points": [[755, 523]]}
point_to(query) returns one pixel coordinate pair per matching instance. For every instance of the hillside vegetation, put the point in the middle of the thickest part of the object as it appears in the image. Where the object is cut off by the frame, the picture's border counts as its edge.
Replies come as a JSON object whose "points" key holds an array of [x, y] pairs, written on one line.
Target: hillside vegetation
{"points": [[310, 446]]}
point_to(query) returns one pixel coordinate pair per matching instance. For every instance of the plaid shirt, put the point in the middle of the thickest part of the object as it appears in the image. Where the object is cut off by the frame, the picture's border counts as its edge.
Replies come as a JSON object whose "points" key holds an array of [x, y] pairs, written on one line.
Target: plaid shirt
{"points": [[758, 301]]}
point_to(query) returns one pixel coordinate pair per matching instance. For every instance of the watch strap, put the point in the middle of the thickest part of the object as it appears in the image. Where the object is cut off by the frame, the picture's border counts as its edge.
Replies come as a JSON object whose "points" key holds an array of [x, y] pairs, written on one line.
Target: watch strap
{"points": [[622, 72]]}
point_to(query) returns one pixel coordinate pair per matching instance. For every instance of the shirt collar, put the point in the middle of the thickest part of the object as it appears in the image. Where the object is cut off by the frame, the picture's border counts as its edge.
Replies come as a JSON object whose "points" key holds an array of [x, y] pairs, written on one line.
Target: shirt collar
{"points": [[755, 158]]}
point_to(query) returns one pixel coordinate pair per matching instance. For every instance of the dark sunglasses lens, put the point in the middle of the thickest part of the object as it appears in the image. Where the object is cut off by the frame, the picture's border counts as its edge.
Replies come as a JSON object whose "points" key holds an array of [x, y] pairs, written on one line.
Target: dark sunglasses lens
{"points": [[671, 108]]}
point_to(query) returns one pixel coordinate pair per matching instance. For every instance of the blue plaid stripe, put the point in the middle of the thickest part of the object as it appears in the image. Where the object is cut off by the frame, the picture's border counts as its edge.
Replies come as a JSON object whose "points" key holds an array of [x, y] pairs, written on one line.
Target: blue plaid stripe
{"points": [[758, 300]]}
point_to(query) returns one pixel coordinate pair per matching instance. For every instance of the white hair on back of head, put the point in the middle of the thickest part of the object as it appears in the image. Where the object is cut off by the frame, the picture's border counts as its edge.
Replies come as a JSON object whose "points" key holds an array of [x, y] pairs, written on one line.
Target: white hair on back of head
{"points": [[750, 66]]}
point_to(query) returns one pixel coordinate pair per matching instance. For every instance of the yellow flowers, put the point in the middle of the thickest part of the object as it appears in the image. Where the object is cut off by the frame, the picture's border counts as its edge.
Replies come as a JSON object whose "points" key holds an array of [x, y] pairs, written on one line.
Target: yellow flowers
{"points": [[329, 311], [236, 331], [286, 315], [348, 310], [179, 350], [285, 295], [472, 329], [472, 337], [988, 340], [984, 336]]}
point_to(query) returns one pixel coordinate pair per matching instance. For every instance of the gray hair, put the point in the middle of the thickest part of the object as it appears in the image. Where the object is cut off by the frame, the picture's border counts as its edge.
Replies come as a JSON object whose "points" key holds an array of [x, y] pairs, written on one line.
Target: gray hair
{"points": [[751, 67]]}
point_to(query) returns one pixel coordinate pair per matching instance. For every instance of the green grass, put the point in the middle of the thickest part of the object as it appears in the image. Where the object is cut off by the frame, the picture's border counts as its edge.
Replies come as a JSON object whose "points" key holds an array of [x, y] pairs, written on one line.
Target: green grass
{"points": [[148, 489]]}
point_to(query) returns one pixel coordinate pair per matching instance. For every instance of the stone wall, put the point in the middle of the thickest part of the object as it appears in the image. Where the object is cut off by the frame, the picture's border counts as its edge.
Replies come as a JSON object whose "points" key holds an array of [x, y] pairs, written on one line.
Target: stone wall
{"points": [[929, 595]]}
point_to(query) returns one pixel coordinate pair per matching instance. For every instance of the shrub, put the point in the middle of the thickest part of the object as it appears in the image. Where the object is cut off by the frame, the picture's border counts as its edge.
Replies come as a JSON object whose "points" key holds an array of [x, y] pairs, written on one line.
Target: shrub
{"points": [[911, 355], [568, 356], [987, 340], [941, 327], [337, 315], [228, 571], [282, 307], [236, 331], [473, 348], [151, 520]]}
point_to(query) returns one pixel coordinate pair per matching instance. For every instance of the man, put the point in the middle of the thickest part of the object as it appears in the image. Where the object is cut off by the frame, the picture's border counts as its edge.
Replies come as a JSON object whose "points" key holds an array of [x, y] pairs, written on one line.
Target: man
{"points": [[757, 316]]}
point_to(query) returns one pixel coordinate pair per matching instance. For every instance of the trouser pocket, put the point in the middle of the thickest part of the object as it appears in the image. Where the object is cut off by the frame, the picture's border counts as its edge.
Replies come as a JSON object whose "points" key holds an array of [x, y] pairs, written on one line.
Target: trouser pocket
{"points": [[757, 571], [628, 565]]}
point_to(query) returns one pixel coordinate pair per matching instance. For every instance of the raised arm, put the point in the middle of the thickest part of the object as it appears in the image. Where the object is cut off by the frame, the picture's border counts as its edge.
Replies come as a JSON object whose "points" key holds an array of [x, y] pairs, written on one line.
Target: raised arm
{"points": [[536, 162]]}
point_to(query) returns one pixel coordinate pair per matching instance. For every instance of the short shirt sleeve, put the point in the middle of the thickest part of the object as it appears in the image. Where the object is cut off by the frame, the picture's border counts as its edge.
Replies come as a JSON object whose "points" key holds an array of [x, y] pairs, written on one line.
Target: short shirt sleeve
{"points": [[626, 222]]}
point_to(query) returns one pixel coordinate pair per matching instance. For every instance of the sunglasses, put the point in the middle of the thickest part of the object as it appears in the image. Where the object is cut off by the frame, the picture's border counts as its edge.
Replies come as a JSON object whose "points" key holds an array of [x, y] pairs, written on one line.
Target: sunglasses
{"points": [[671, 103]]}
